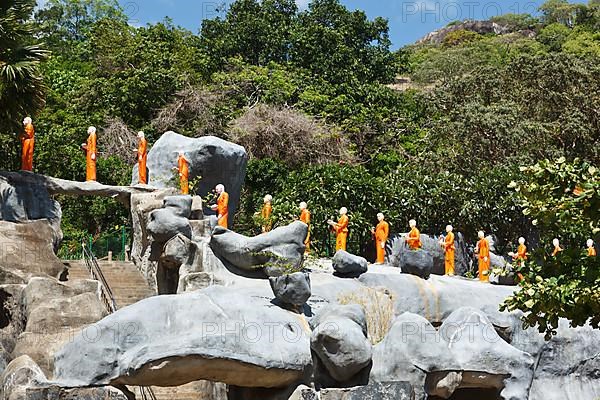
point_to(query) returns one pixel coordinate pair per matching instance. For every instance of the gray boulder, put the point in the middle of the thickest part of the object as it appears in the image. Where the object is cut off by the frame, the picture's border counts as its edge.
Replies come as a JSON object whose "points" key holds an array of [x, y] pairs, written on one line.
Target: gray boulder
{"points": [[348, 265], [215, 334], [21, 201], [411, 350], [568, 366], [417, 262], [22, 373], [164, 224], [372, 391], [291, 289], [28, 250], [465, 354], [214, 160], [462, 259], [485, 359], [181, 205], [279, 250], [339, 341]]}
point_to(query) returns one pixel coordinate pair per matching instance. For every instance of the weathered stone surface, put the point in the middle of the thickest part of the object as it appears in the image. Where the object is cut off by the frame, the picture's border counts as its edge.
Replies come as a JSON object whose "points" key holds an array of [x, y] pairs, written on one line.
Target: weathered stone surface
{"points": [[481, 27], [283, 246], [54, 311], [24, 202], [417, 262], [27, 250], [31, 192], [181, 205], [20, 374], [339, 340], [11, 320], [214, 334], [462, 258], [142, 204], [291, 289], [568, 366], [58, 393], [466, 352], [164, 224], [215, 160], [348, 265], [373, 391]]}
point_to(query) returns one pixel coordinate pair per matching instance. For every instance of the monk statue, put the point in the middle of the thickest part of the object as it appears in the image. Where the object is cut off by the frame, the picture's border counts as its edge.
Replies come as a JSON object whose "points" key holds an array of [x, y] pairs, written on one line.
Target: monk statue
{"points": [[590, 248], [183, 169], [142, 157], [90, 154], [381, 234], [449, 250], [341, 229], [27, 145], [222, 206], [305, 217], [521, 255], [557, 248], [413, 240], [266, 212], [483, 251]]}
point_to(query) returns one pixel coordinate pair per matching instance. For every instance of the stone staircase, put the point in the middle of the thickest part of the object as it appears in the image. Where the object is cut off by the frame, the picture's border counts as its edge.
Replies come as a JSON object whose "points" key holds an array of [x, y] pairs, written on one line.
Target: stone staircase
{"points": [[125, 280], [129, 286]]}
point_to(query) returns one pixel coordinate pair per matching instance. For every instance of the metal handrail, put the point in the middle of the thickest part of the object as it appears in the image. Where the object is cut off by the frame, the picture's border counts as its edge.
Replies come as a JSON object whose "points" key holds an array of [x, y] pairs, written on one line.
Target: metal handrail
{"points": [[109, 301], [105, 291]]}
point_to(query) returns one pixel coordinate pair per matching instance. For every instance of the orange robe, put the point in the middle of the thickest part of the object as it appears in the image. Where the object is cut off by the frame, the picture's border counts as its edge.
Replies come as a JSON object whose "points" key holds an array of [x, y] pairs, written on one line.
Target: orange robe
{"points": [[557, 250], [142, 158], [266, 212], [414, 239], [382, 233], [484, 266], [27, 142], [449, 250], [223, 209], [305, 217], [184, 175], [91, 157], [341, 230], [520, 258], [591, 252]]}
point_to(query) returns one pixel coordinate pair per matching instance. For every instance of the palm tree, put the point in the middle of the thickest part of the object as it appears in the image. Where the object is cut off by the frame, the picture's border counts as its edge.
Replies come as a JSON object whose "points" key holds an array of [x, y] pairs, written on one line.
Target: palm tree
{"points": [[21, 85]]}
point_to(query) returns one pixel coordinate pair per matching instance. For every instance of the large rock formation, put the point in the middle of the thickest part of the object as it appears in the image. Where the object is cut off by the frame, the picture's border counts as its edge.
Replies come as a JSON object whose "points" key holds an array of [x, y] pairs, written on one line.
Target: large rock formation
{"points": [[466, 353], [279, 250], [53, 311], [568, 366], [339, 341], [212, 159], [481, 27], [214, 334]]}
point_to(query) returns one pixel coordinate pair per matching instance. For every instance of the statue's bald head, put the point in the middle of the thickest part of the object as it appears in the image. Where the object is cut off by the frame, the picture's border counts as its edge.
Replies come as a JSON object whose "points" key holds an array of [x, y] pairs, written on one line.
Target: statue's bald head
{"points": [[220, 188], [91, 129], [27, 121]]}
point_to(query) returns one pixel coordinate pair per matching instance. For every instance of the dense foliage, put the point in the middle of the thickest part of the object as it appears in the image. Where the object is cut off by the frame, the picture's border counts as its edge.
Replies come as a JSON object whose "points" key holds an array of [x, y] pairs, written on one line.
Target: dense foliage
{"points": [[329, 113], [564, 201]]}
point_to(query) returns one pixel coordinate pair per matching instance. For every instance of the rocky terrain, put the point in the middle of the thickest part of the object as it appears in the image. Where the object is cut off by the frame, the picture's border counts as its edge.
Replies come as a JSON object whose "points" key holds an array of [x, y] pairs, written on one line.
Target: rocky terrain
{"points": [[249, 313]]}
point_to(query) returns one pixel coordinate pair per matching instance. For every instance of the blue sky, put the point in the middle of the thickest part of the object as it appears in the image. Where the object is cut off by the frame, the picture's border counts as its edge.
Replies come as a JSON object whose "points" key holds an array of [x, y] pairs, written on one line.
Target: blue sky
{"points": [[409, 20]]}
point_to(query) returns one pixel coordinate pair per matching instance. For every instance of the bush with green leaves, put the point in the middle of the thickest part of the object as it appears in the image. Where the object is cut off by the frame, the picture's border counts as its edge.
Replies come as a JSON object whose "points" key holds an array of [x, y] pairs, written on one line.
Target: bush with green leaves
{"points": [[480, 201], [563, 200]]}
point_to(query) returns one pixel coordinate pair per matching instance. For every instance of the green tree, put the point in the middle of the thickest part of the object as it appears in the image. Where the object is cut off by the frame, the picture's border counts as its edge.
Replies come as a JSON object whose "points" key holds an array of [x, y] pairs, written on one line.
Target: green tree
{"points": [[21, 84], [61, 22], [563, 199]]}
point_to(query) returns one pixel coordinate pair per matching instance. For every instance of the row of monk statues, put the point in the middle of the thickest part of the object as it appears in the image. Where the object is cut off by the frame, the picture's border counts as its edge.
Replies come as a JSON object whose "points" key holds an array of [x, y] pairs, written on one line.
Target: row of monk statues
{"points": [[380, 232]]}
